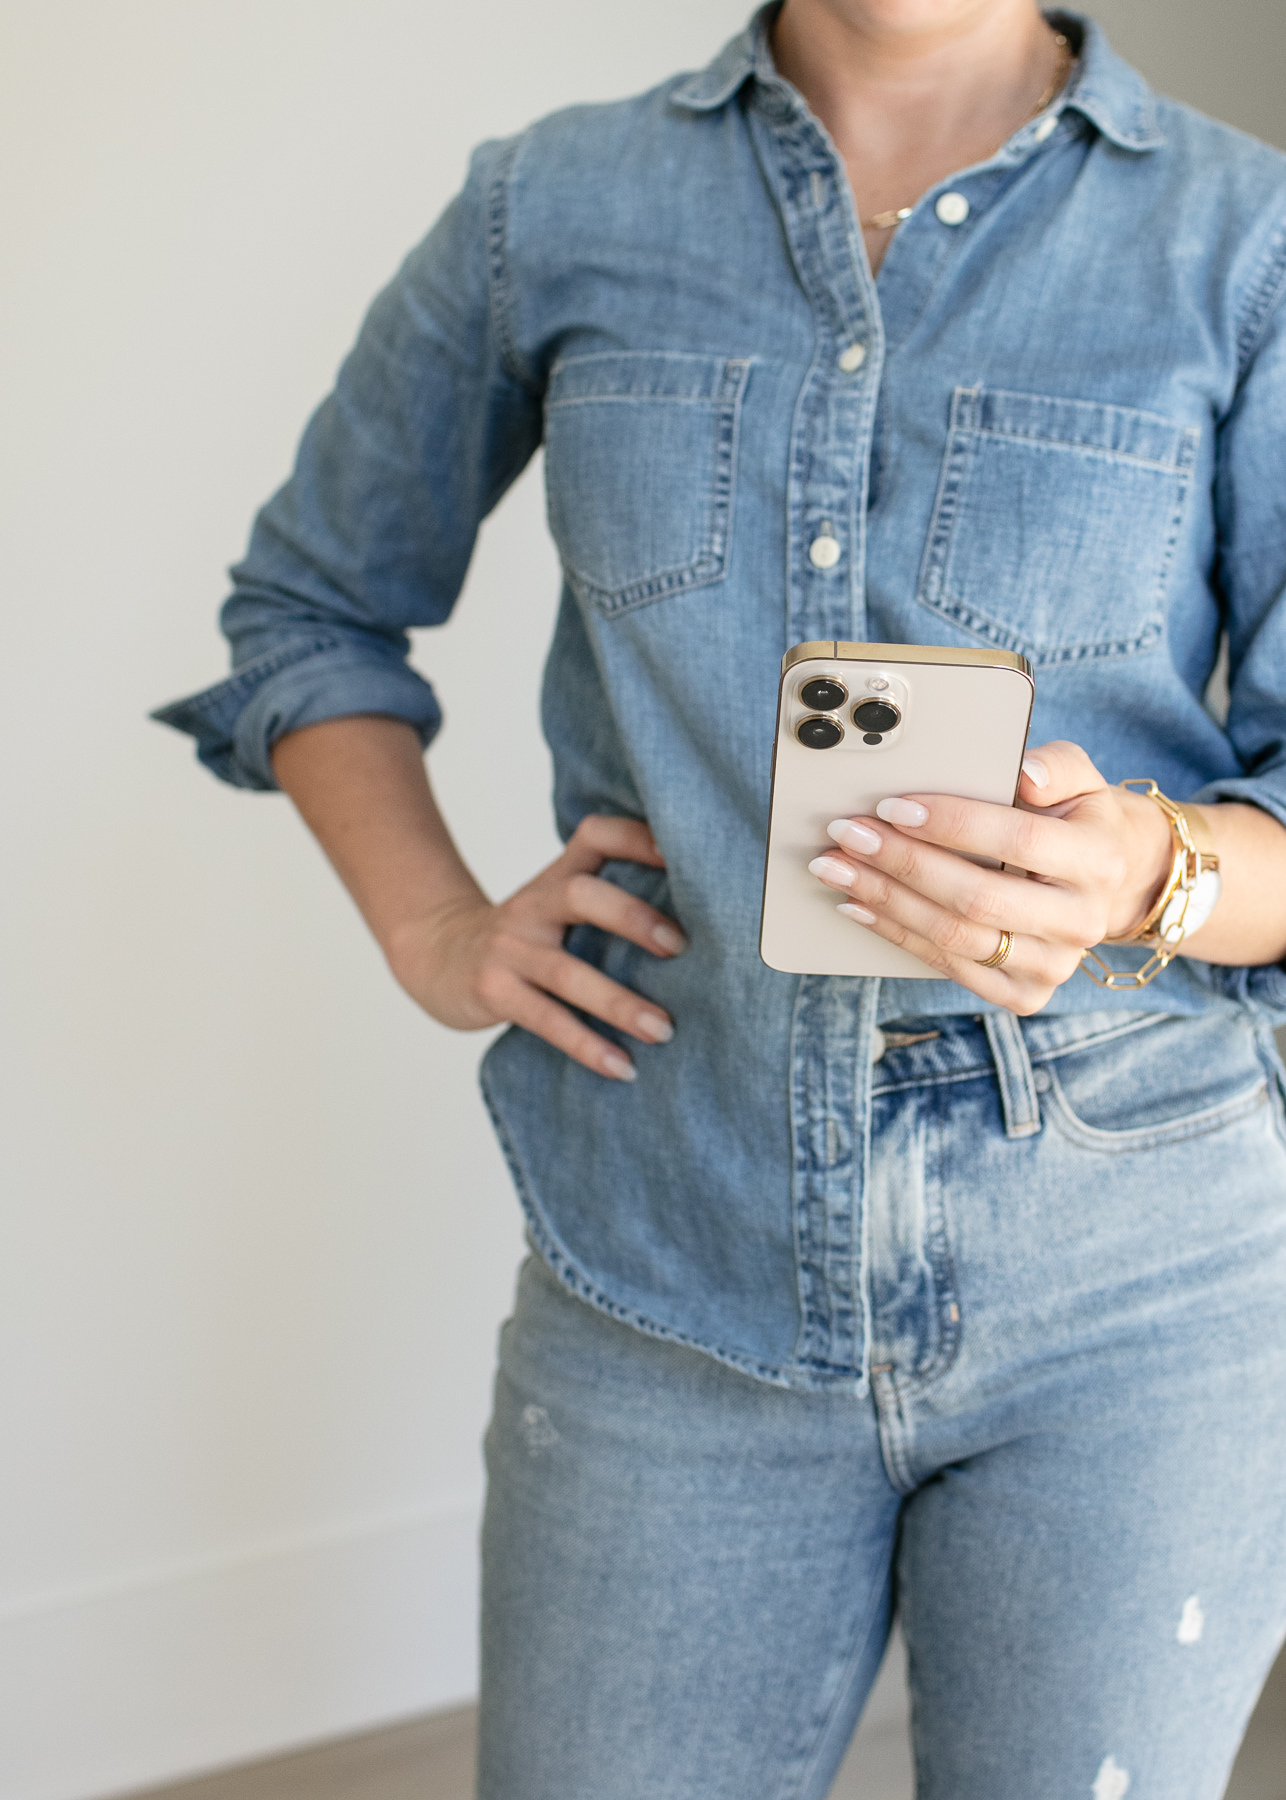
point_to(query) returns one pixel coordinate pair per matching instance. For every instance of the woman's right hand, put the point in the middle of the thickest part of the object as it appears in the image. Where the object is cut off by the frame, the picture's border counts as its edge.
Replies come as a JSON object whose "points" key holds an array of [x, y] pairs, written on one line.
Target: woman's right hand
{"points": [[471, 964]]}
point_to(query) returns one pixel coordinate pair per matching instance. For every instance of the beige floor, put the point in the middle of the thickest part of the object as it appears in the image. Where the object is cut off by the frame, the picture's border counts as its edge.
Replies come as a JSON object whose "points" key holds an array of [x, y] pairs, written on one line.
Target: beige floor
{"points": [[432, 1759]]}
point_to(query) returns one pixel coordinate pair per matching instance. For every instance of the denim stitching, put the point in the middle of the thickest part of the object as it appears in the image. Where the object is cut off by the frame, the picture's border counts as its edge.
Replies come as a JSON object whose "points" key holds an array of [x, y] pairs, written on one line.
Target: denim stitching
{"points": [[1262, 300], [498, 281], [967, 432], [1005, 403], [946, 1298], [710, 564], [945, 1079], [1107, 1035], [1087, 452], [1175, 1131], [820, 1376]]}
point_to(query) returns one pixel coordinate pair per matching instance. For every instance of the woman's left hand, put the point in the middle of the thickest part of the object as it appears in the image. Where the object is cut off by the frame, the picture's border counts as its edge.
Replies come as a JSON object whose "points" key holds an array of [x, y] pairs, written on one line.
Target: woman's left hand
{"points": [[1095, 857]]}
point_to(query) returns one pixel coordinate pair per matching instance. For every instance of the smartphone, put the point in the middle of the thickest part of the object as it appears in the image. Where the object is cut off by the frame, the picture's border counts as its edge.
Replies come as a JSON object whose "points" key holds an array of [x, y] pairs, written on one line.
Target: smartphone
{"points": [[857, 724]]}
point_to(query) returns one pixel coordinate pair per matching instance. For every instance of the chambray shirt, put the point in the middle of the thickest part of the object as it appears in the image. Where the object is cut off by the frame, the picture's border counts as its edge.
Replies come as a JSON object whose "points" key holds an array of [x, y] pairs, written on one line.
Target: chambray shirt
{"points": [[1056, 422]]}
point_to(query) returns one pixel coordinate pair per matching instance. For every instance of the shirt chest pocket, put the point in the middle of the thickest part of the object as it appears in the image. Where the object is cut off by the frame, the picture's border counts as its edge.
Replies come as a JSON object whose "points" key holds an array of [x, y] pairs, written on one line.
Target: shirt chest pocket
{"points": [[640, 471], [1056, 522]]}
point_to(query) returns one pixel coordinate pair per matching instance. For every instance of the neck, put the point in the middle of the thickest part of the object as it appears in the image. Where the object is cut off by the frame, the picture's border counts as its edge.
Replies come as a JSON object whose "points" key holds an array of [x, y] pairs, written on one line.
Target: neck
{"points": [[851, 54], [913, 90]]}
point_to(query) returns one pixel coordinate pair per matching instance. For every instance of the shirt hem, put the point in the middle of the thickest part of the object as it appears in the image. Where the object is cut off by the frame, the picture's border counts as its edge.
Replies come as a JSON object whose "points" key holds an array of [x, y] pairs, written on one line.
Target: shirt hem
{"points": [[566, 1269]]}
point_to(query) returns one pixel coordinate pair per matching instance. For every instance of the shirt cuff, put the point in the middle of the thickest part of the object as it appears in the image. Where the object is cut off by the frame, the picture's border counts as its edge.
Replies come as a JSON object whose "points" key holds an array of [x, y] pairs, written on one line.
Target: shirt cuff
{"points": [[236, 722]]}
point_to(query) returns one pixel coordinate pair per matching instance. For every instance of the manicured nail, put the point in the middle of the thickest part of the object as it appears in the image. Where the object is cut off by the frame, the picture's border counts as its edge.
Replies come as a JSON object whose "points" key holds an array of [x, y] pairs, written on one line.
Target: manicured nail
{"points": [[831, 870], [666, 938], [619, 1066], [902, 812], [1035, 771], [655, 1026], [854, 837], [852, 911]]}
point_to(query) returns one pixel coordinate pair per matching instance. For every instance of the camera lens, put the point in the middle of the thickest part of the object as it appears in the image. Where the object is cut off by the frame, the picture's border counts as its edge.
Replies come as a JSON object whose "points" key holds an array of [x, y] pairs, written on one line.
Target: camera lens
{"points": [[876, 716], [819, 734], [823, 693]]}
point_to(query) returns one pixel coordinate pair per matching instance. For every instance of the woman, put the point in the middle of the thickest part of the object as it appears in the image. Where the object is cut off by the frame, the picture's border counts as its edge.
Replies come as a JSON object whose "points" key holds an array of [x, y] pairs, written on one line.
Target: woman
{"points": [[961, 1294]]}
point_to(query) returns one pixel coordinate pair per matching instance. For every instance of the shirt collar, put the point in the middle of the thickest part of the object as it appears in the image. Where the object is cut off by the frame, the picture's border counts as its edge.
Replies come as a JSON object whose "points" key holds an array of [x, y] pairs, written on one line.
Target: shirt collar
{"points": [[1106, 90]]}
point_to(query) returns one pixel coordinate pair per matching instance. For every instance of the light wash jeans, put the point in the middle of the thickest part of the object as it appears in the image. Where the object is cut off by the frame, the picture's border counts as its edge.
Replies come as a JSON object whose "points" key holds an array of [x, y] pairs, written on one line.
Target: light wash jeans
{"points": [[1069, 1477]]}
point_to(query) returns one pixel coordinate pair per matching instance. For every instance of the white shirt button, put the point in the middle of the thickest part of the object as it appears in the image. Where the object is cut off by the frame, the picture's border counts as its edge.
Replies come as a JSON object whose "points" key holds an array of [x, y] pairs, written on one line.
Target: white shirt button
{"points": [[952, 209], [1046, 128], [852, 358], [824, 552]]}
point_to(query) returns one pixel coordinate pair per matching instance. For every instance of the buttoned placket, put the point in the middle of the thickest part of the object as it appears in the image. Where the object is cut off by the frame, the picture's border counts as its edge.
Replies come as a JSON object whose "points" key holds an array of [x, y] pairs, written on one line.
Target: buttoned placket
{"points": [[835, 1019]]}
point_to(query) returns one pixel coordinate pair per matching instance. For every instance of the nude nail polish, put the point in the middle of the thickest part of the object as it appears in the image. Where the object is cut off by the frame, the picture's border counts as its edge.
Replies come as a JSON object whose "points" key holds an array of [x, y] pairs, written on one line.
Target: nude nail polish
{"points": [[652, 1025], [851, 836], [903, 812], [667, 938], [618, 1066], [851, 910], [831, 870]]}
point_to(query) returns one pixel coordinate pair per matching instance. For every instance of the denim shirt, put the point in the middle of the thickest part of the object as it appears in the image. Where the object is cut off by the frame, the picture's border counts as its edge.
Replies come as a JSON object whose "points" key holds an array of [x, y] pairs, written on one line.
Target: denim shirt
{"points": [[1056, 422]]}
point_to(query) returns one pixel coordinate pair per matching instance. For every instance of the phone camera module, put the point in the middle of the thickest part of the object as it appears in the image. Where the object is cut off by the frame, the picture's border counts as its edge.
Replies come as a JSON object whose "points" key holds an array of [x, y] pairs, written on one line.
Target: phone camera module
{"points": [[874, 717], [819, 734], [823, 694], [872, 737]]}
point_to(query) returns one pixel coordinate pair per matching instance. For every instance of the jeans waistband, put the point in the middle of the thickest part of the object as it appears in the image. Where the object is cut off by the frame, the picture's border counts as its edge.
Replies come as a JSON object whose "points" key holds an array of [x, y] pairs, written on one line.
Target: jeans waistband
{"points": [[914, 1052]]}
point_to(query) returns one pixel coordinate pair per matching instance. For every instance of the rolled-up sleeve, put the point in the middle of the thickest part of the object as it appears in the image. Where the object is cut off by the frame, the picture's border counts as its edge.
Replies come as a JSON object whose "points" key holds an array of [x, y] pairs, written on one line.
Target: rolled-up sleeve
{"points": [[1251, 510], [430, 421]]}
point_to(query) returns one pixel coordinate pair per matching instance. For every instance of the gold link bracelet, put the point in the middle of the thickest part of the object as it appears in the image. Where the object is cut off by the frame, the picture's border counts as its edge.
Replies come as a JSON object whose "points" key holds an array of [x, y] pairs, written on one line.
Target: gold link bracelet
{"points": [[1194, 856]]}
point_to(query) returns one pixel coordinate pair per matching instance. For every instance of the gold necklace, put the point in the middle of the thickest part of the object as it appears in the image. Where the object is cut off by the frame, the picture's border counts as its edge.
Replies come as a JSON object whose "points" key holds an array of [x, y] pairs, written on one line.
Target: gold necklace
{"points": [[885, 221]]}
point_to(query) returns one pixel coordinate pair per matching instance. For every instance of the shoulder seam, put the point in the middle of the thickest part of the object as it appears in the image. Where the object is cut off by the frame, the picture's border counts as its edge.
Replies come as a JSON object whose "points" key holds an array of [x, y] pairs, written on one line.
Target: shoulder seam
{"points": [[498, 268], [1264, 294]]}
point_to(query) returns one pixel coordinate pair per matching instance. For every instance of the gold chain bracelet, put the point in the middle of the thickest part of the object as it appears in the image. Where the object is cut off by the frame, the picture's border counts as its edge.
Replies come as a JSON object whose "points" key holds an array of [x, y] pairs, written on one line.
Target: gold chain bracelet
{"points": [[1164, 926]]}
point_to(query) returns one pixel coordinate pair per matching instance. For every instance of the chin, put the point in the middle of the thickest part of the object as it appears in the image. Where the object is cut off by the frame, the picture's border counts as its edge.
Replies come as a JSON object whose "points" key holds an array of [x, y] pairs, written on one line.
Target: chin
{"points": [[914, 18]]}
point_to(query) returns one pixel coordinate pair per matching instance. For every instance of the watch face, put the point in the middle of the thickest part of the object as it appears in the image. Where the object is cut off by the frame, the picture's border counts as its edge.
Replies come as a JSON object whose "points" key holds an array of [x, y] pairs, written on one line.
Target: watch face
{"points": [[1203, 896]]}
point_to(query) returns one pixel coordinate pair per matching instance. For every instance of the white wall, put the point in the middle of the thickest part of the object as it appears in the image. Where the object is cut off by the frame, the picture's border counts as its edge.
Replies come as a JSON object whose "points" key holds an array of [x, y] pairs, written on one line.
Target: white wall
{"points": [[255, 1238]]}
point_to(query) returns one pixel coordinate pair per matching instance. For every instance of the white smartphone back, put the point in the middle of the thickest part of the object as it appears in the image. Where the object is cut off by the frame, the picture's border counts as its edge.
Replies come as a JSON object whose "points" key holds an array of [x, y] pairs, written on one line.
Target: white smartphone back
{"points": [[929, 721]]}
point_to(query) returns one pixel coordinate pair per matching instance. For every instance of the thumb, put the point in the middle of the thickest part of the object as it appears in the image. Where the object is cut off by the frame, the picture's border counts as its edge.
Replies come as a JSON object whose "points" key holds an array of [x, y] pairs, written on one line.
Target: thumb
{"points": [[1056, 773]]}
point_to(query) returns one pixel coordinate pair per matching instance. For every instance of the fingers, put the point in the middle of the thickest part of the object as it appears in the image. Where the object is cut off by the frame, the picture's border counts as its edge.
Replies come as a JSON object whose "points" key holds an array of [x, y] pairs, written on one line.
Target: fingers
{"points": [[902, 871], [952, 936], [587, 900], [533, 981], [581, 985], [1057, 772], [973, 827], [950, 913], [957, 948], [1032, 836], [535, 1011], [604, 837]]}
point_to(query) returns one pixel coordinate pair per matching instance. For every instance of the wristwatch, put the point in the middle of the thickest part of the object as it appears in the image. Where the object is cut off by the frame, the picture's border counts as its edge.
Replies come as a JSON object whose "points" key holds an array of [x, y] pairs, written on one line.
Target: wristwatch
{"points": [[1187, 898]]}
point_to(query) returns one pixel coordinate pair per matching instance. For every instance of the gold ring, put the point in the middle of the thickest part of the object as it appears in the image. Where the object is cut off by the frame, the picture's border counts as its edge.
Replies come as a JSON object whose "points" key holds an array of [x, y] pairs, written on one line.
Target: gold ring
{"points": [[999, 954]]}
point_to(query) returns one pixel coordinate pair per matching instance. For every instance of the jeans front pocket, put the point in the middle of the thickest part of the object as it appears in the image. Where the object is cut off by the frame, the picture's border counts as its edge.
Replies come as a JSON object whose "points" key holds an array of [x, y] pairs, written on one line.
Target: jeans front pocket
{"points": [[1169, 1079], [640, 465], [1055, 523]]}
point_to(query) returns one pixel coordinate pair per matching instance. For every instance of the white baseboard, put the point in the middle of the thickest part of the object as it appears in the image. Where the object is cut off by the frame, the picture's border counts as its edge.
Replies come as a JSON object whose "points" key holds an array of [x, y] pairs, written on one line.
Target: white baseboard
{"points": [[172, 1675]]}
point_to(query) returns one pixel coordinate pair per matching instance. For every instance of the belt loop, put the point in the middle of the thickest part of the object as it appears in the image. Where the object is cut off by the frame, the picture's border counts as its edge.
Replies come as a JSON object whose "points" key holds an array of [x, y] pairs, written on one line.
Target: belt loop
{"points": [[1013, 1073]]}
